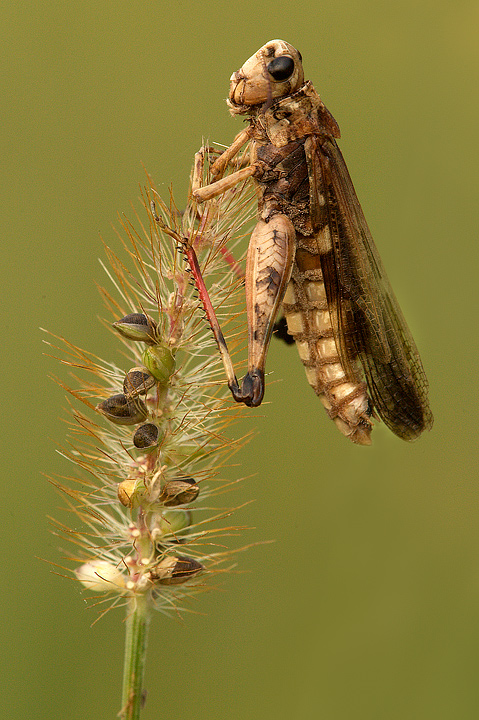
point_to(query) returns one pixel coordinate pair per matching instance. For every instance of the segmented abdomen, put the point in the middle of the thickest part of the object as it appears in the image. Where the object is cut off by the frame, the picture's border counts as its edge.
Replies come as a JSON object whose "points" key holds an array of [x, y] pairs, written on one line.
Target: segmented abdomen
{"points": [[307, 315]]}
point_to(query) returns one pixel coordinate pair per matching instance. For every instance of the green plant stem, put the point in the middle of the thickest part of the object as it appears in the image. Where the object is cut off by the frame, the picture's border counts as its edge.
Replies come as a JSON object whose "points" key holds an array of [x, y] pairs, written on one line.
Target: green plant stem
{"points": [[137, 623]]}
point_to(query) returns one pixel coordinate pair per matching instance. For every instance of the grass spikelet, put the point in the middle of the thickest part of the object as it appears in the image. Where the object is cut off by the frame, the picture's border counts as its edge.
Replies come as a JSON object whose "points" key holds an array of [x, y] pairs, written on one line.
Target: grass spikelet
{"points": [[148, 435]]}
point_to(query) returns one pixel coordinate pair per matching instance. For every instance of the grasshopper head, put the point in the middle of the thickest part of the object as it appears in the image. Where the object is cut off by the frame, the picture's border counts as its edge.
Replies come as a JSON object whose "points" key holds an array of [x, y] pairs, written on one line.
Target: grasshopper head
{"points": [[272, 73]]}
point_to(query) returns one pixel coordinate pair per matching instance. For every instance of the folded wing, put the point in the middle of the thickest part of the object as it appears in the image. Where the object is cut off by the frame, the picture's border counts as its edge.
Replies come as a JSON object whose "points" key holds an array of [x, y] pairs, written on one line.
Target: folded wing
{"points": [[367, 322]]}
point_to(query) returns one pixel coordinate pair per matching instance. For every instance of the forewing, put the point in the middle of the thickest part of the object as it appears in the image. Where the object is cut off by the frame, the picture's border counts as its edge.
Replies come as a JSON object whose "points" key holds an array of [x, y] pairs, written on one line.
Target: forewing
{"points": [[367, 321]]}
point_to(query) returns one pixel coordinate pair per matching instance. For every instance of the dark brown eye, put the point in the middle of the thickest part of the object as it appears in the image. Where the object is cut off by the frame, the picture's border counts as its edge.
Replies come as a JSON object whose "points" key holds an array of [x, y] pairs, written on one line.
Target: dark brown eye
{"points": [[281, 68]]}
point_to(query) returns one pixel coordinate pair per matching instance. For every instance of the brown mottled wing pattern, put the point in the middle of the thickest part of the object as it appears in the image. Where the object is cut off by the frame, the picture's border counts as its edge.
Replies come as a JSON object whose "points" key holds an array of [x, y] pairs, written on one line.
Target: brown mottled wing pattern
{"points": [[367, 322]]}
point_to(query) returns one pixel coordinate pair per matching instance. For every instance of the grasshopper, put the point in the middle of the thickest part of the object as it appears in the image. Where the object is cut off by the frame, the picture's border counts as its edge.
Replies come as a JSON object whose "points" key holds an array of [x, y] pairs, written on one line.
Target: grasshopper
{"points": [[311, 253]]}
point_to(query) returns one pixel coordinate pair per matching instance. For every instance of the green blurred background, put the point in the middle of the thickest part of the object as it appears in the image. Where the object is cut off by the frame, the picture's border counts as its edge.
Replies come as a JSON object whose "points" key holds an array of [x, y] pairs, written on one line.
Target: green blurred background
{"points": [[366, 605]]}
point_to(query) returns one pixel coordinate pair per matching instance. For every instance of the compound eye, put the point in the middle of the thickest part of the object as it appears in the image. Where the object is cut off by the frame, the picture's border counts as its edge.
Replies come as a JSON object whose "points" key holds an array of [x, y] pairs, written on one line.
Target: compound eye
{"points": [[281, 68]]}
